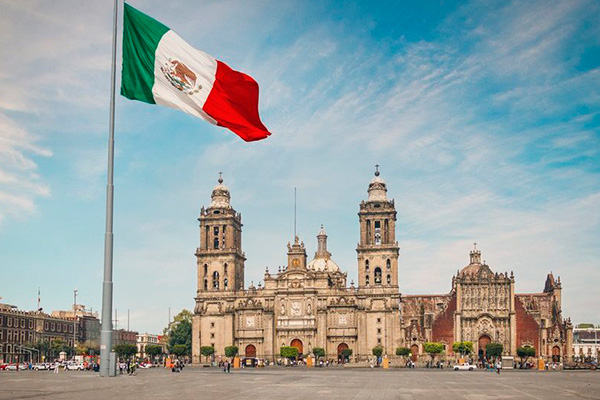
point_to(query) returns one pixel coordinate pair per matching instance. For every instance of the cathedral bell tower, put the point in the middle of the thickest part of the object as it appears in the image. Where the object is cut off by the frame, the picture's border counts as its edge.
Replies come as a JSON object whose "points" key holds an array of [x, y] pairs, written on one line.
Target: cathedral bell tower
{"points": [[378, 249], [220, 258]]}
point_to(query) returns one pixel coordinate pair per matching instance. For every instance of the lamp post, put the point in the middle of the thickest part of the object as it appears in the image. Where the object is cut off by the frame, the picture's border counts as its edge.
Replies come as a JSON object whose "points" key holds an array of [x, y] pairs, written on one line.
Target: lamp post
{"points": [[74, 320]]}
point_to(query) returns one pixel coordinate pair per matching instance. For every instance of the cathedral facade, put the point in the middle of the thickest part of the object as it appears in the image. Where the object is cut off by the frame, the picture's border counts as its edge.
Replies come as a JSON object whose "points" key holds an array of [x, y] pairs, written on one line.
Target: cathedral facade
{"points": [[309, 304]]}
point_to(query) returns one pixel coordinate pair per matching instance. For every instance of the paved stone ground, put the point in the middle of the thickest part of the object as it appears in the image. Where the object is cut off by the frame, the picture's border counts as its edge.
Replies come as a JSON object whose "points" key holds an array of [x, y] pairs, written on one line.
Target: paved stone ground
{"points": [[302, 383]]}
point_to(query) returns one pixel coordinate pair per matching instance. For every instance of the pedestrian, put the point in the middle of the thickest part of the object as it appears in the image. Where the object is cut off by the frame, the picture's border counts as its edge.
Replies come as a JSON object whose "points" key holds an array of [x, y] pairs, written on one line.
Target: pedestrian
{"points": [[498, 367], [56, 368], [228, 366]]}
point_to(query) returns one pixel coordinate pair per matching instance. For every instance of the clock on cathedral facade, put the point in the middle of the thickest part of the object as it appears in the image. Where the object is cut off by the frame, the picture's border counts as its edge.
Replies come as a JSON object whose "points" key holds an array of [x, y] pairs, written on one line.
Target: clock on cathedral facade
{"points": [[310, 304]]}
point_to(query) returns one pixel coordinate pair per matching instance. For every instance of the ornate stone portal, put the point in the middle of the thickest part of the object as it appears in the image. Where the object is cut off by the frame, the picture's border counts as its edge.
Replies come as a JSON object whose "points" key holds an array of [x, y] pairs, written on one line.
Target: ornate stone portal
{"points": [[309, 304]]}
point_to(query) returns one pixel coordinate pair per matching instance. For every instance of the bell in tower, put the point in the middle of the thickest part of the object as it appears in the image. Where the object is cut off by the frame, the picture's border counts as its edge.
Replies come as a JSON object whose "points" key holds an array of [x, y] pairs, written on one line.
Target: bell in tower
{"points": [[220, 257], [377, 249]]}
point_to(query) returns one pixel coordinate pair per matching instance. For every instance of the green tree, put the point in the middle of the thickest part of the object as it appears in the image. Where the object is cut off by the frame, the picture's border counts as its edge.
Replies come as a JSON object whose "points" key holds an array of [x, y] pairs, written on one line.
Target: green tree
{"points": [[585, 325], [180, 350], [153, 350], [43, 346], [463, 348], [525, 352], [288, 352], [346, 353], [207, 351], [125, 350], [433, 349], [82, 350], [402, 351], [494, 350], [59, 345], [377, 351], [318, 352], [231, 351], [179, 331]]}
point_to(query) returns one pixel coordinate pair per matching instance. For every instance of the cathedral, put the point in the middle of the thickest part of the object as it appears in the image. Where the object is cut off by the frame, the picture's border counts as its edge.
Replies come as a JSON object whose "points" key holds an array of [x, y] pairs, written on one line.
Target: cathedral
{"points": [[309, 304]]}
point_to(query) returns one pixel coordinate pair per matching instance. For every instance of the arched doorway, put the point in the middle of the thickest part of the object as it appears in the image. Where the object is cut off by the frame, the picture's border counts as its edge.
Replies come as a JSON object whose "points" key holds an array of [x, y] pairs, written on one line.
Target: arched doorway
{"points": [[414, 353], [250, 351], [556, 354], [297, 343], [483, 341], [341, 347]]}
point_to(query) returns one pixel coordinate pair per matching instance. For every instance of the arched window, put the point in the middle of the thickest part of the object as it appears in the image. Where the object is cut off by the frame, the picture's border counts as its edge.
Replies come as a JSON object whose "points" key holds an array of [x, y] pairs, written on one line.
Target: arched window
{"points": [[205, 269], [368, 232], [388, 264], [215, 280], [225, 268], [367, 279], [389, 279], [225, 282], [367, 265], [205, 283], [377, 276], [216, 243]]}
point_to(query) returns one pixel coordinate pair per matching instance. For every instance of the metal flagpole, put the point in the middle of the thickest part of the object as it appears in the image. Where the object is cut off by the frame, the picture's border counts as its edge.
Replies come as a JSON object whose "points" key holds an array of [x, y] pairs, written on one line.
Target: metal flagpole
{"points": [[107, 284]]}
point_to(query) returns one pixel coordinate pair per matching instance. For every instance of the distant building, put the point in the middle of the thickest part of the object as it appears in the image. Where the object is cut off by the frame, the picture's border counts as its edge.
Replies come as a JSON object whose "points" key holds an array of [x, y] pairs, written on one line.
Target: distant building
{"points": [[586, 342], [145, 339], [88, 327], [123, 336], [21, 330]]}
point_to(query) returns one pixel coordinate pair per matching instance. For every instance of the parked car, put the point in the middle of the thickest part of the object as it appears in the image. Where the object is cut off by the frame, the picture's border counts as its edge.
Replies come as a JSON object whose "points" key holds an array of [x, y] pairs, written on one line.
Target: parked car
{"points": [[74, 366], [40, 367], [465, 367], [16, 367]]}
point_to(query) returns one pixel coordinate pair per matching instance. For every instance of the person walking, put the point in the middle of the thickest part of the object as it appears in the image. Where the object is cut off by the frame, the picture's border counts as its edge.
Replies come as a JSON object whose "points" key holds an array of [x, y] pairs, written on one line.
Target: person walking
{"points": [[498, 367], [228, 366], [56, 368]]}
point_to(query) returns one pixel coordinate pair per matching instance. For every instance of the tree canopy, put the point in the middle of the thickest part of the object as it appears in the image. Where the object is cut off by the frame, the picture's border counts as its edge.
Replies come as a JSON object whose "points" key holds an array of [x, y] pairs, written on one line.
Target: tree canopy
{"points": [[318, 351], [433, 348], [207, 351], [153, 350], [402, 351], [231, 351], [288, 351], [377, 351], [462, 347], [179, 332], [494, 349], [346, 353], [125, 350], [525, 352]]}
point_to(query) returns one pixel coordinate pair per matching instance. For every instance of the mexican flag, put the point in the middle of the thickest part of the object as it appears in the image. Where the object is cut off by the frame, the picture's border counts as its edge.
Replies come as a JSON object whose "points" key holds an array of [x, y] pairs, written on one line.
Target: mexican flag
{"points": [[159, 67]]}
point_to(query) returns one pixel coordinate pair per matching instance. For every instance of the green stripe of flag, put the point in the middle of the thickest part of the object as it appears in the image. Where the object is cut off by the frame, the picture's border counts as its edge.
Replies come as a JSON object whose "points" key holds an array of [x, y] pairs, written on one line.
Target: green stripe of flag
{"points": [[141, 35]]}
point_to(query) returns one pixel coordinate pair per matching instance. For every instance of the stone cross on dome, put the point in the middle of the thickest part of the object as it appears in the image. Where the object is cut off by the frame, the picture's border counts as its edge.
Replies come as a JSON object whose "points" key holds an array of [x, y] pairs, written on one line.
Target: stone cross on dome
{"points": [[220, 177], [376, 169]]}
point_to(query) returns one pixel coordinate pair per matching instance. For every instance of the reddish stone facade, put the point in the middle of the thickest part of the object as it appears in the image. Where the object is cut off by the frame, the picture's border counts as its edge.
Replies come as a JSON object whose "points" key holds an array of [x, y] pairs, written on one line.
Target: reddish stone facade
{"points": [[443, 326], [483, 307], [527, 327]]}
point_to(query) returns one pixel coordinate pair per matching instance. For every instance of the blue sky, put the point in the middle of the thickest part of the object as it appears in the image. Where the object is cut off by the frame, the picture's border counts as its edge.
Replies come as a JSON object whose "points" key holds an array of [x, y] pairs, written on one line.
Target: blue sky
{"points": [[484, 117]]}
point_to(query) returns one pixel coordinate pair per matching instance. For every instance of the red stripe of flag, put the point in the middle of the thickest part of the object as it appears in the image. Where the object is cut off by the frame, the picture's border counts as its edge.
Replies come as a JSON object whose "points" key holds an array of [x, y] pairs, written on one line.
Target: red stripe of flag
{"points": [[233, 103]]}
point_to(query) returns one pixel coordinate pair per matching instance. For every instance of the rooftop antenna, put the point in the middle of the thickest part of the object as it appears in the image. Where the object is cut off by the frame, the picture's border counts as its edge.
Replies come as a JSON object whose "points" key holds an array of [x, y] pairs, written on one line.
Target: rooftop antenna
{"points": [[38, 302], [295, 191]]}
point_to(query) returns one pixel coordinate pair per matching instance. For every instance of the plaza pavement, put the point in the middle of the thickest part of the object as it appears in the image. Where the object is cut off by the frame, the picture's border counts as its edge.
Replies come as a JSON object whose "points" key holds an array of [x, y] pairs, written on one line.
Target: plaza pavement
{"points": [[302, 383]]}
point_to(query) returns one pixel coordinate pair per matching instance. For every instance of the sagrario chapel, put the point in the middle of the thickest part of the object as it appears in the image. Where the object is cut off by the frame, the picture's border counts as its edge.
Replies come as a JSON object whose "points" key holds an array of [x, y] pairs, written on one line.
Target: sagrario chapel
{"points": [[309, 302]]}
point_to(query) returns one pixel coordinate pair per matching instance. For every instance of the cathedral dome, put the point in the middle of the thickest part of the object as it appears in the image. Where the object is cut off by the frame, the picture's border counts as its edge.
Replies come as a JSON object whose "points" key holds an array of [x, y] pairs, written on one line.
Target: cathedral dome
{"points": [[322, 264], [322, 261], [377, 188], [220, 195]]}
